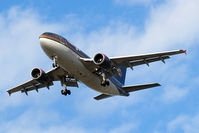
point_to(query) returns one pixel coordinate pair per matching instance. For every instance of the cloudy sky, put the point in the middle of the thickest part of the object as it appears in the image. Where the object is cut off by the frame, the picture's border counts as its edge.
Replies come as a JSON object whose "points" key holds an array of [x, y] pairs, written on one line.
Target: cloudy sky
{"points": [[114, 27]]}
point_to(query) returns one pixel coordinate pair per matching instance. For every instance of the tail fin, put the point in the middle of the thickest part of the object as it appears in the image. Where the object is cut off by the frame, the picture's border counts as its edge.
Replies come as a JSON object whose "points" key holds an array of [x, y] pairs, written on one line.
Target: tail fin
{"points": [[122, 75]]}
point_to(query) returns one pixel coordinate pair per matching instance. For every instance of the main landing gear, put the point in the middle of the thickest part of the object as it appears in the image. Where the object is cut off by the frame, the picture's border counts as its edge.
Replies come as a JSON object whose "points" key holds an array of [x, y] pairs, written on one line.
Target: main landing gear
{"points": [[104, 81], [65, 91]]}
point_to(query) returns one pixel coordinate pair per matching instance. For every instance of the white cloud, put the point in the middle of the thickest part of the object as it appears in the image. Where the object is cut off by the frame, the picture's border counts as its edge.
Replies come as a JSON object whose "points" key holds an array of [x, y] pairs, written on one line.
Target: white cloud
{"points": [[126, 128], [90, 107], [173, 94], [176, 122], [40, 121], [20, 46], [185, 123], [171, 25], [20, 49]]}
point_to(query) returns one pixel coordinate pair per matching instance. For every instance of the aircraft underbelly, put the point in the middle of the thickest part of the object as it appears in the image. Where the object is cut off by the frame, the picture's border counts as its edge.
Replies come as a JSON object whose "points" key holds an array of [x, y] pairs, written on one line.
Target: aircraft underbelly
{"points": [[69, 60]]}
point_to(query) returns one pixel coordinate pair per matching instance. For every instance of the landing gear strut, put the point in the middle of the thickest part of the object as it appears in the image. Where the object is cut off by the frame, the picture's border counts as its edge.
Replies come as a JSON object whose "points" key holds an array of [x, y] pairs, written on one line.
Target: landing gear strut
{"points": [[65, 91], [104, 81], [55, 62]]}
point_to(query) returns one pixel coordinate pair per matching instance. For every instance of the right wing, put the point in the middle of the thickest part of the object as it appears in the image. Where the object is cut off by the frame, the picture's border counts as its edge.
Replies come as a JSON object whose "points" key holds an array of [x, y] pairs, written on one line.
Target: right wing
{"points": [[55, 74]]}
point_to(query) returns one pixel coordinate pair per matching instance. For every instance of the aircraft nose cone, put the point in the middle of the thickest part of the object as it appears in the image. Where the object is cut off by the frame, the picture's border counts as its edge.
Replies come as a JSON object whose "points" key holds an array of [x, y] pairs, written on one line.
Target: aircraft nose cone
{"points": [[46, 46], [43, 43]]}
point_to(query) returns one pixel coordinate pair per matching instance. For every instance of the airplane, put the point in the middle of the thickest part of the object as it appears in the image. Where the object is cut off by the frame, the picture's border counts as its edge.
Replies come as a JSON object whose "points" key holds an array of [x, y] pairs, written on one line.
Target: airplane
{"points": [[101, 73]]}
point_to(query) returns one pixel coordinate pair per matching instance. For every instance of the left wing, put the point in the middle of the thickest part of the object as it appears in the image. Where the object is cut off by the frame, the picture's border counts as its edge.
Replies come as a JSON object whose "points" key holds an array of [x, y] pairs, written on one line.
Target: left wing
{"points": [[131, 61], [55, 74]]}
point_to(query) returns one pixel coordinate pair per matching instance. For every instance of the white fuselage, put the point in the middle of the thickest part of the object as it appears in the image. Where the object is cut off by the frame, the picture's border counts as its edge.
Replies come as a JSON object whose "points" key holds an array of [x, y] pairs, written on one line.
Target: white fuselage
{"points": [[69, 61]]}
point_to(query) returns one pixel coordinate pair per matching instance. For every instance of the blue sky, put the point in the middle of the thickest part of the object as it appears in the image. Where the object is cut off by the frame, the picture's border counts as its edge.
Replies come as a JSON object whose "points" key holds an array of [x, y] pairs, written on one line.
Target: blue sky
{"points": [[114, 27]]}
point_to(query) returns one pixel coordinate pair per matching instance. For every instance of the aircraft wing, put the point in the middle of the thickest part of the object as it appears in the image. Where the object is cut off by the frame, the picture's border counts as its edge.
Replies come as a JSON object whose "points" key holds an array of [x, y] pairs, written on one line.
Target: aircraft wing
{"points": [[55, 74], [131, 61]]}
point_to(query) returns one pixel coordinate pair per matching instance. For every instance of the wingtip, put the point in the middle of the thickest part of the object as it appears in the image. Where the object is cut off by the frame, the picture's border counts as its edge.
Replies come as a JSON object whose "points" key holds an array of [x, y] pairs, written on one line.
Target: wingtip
{"points": [[157, 84], [95, 98], [9, 93], [185, 52]]}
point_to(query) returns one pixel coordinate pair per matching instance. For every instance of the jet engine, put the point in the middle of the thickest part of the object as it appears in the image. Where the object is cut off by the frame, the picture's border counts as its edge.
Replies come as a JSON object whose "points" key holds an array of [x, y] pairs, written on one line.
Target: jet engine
{"points": [[39, 75], [102, 60]]}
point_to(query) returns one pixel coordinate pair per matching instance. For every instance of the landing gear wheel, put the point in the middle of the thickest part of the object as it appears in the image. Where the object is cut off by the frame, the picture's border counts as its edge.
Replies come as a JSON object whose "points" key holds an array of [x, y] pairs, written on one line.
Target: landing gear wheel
{"points": [[68, 92], [53, 65], [105, 83], [65, 92]]}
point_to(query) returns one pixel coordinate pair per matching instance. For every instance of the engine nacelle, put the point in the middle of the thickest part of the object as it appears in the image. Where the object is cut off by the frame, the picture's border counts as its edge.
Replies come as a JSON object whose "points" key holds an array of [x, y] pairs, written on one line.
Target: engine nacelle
{"points": [[39, 75], [102, 60]]}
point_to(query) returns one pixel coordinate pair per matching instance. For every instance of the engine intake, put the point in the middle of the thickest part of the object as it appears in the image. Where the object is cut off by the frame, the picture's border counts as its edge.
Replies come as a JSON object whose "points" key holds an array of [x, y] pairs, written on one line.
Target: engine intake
{"points": [[39, 75], [102, 60]]}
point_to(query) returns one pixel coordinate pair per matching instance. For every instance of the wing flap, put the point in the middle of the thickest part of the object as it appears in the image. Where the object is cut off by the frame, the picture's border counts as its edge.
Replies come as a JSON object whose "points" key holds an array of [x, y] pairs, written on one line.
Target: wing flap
{"points": [[139, 87], [145, 61], [36, 87]]}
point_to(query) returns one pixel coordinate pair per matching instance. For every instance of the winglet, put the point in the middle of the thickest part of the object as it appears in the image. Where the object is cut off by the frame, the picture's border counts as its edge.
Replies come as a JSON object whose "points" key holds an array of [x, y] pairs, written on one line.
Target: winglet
{"points": [[185, 52]]}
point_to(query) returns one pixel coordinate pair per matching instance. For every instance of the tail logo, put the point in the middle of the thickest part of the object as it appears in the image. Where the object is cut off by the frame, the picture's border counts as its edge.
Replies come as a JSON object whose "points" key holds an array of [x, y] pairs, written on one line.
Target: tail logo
{"points": [[119, 72]]}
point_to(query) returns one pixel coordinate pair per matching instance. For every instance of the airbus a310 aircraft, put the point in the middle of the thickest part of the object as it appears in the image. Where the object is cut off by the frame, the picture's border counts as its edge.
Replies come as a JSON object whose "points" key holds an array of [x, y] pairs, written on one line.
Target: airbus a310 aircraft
{"points": [[103, 74]]}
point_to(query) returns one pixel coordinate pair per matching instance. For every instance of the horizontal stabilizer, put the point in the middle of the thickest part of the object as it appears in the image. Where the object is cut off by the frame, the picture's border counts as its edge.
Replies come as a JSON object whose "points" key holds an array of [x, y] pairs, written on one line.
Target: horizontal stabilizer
{"points": [[102, 96], [139, 87], [129, 89]]}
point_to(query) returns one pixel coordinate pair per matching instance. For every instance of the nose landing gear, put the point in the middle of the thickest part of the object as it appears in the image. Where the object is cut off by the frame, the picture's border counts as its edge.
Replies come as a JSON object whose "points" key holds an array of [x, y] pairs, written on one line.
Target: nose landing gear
{"points": [[55, 62]]}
